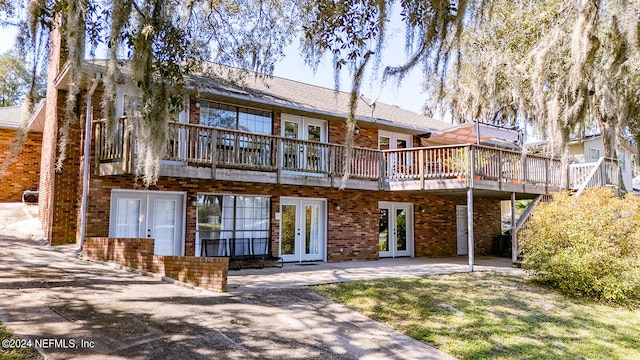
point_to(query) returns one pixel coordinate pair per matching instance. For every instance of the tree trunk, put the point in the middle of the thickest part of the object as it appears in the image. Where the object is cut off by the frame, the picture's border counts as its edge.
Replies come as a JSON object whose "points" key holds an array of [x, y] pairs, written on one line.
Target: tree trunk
{"points": [[608, 130]]}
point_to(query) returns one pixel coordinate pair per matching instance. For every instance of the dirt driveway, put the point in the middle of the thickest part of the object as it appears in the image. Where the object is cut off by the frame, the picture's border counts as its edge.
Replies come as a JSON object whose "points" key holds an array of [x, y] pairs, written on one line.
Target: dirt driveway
{"points": [[80, 309]]}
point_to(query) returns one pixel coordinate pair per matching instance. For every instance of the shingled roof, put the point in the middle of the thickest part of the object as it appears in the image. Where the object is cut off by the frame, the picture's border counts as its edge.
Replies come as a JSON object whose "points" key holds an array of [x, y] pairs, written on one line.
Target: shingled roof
{"points": [[295, 95]]}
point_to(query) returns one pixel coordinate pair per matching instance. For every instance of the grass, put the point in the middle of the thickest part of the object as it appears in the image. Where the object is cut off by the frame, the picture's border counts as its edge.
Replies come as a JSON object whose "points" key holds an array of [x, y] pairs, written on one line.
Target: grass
{"points": [[487, 315], [25, 353]]}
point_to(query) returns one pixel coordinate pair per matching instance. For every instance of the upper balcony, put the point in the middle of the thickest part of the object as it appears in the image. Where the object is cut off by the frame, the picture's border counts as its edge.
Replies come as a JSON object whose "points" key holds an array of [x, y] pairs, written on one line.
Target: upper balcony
{"points": [[196, 151]]}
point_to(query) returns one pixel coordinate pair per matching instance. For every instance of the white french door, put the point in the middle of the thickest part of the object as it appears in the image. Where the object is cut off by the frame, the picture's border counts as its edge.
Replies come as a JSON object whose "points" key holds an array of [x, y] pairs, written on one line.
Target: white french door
{"points": [[149, 214], [304, 155], [303, 232], [397, 162], [395, 229], [462, 227]]}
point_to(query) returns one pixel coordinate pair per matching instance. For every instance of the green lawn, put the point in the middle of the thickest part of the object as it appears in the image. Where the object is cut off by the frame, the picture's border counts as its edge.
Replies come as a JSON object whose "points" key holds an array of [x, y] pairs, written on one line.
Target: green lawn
{"points": [[487, 315], [15, 353]]}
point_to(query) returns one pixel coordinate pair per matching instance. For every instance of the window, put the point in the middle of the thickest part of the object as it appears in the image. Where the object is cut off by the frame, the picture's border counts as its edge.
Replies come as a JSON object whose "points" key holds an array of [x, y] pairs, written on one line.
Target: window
{"points": [[221, 218], [622, 161], [235, 118], [594, 154]]}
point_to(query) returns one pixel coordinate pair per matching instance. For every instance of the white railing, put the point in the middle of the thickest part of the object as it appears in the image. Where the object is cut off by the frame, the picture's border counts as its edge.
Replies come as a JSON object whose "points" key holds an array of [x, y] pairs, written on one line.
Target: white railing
{"points": [[604, 172]]}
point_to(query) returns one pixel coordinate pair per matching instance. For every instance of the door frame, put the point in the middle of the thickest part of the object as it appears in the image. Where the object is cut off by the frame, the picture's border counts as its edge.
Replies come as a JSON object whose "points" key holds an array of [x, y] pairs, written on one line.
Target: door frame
{"points": [[300, 202], [410, 228], [462, 245], [145, 196], [302, 124]]}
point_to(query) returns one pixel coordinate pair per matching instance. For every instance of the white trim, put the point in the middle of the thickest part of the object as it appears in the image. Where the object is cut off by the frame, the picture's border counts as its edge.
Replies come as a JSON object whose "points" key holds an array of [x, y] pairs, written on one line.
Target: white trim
{"points": [[144, 196], [303, 122], [392, 225], [299, 202], [394, 137]]}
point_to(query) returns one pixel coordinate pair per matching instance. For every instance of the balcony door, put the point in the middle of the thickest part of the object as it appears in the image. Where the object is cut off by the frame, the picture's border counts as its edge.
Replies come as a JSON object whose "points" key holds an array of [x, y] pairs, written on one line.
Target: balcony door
{"points": [[395, 229], [149, 214], [303, 229], [299, 152], [398, 163]]}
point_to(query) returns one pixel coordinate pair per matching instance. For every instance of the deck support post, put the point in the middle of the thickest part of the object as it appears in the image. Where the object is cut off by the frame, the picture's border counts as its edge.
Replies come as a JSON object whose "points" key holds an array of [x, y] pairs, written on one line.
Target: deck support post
{"points": [[470, 227], [514, 233]]}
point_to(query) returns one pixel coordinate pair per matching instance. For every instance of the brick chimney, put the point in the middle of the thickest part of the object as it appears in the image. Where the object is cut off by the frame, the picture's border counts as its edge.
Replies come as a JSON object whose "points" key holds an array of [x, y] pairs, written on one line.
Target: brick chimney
{"points": [[59, 190]]}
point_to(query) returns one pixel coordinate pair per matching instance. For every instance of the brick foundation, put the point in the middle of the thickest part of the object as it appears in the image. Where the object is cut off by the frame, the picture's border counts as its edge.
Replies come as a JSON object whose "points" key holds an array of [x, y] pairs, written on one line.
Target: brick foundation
{"points": [[208, 273]]}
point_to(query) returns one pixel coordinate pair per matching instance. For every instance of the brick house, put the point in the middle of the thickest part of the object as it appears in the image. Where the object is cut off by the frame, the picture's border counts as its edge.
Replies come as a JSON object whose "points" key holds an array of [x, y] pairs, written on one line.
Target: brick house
{"points": [[19, 172], [258, 167]]}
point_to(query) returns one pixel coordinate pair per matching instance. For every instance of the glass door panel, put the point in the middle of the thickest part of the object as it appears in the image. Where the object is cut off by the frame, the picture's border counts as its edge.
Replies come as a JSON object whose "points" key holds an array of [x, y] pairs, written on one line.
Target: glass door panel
{"points": [[288, 232], [163, 227], [302, 230], [313, 153], [401, 230], [383, 232], [395, 229], [312, 230], [290, 148], [128, 217]]}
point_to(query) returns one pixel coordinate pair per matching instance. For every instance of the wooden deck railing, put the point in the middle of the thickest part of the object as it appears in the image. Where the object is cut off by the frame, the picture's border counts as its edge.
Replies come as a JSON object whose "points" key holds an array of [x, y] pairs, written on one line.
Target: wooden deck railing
{"points": [[204, 146], [447, 162]]}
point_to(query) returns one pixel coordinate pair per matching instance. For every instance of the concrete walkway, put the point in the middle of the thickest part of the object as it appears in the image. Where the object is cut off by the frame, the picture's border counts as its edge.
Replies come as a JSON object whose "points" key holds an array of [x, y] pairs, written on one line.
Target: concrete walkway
{"points": [[87, 310]]}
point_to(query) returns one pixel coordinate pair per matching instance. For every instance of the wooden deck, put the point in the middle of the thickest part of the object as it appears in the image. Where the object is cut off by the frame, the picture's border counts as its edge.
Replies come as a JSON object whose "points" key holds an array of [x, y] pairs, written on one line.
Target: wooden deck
{"points": [[196, 151]]}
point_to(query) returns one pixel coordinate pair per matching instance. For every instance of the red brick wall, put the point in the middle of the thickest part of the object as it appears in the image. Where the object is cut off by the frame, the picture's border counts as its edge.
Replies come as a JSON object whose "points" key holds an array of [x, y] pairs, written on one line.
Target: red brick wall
{"points": [[208, 273], [134, 253], [353, 228], [367, 138], [23, 172]]}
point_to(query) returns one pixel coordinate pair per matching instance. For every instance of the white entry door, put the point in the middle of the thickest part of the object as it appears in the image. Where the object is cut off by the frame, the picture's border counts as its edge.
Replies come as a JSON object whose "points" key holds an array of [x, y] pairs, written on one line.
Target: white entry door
{"points": [[303, 232], [395, 229], [462, 227], [149, 214]]}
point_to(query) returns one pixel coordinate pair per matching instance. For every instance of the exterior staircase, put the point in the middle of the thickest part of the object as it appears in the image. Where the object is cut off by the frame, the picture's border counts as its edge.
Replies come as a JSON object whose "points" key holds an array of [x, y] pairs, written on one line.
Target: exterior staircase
{"points": [[604, 172]]}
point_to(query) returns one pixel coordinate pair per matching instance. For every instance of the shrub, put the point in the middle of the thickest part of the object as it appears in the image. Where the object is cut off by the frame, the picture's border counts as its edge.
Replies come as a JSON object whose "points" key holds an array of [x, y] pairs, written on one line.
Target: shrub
{"points": [[587, 245]]}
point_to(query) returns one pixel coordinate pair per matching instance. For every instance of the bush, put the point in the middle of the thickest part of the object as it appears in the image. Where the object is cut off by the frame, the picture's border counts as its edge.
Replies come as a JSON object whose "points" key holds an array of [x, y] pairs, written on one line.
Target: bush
{"points": [[587, 245]]}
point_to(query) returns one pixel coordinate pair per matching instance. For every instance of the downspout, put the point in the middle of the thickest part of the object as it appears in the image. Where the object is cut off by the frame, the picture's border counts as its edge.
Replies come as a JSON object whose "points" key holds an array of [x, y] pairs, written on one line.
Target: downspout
{"points": [[87, 153]]}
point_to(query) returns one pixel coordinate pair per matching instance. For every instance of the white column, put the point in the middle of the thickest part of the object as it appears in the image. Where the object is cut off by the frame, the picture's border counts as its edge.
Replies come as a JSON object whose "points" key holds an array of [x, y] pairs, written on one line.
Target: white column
{"points": [[470, 227]]}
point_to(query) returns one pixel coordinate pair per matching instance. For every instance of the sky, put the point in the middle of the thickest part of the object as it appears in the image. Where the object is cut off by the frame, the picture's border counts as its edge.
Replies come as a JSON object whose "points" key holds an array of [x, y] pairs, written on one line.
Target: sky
{"points": [[408, 95]]}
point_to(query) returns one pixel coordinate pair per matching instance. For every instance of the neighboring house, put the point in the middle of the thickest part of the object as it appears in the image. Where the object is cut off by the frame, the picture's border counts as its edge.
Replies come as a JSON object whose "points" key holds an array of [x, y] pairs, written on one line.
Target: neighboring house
{"points": [[590, 148], [19, 166], [259, 166]]}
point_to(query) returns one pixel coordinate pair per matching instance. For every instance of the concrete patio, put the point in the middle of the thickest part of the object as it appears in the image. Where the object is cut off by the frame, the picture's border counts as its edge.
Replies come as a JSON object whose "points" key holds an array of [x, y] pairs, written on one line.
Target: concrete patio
{"points": [[314, 273]]}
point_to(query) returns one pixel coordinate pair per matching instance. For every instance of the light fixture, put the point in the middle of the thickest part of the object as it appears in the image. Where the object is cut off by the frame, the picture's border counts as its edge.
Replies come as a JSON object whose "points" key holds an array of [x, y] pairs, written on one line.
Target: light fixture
{"points": [[194, 201], [336, 205], [357, 130], [421, 209]]}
